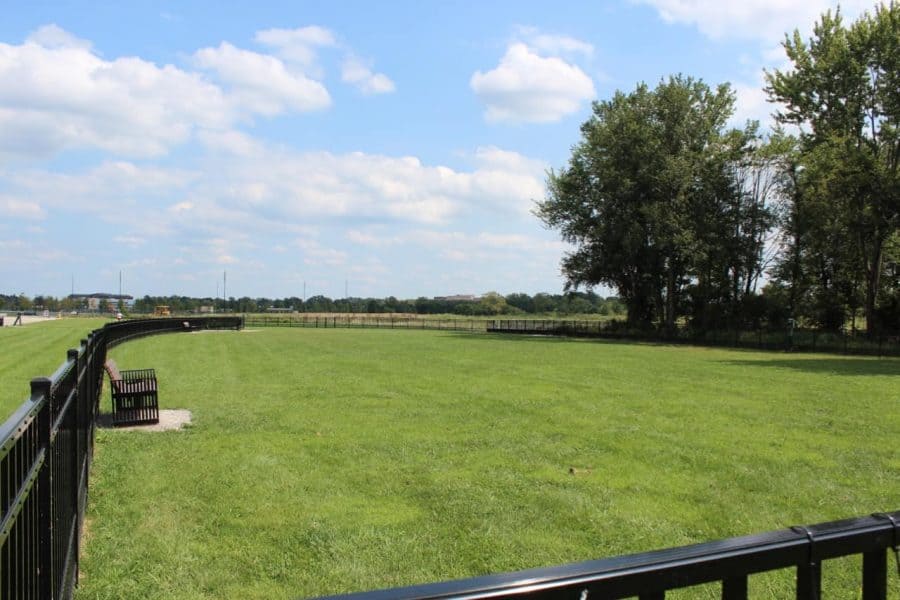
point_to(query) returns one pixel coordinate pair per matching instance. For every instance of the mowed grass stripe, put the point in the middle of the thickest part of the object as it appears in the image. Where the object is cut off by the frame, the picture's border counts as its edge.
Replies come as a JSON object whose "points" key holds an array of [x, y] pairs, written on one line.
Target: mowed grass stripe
{"points": [[35, 350], [335, 460]]}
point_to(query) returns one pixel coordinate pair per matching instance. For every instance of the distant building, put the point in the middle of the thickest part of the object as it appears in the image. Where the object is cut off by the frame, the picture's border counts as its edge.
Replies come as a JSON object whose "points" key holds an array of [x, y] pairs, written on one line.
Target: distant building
{"points": [[459, 298], [101, 301]]}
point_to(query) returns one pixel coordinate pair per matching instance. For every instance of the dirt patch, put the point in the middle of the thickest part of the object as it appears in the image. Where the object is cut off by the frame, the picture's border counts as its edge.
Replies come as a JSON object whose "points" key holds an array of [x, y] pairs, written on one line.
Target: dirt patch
{"points": [[10, 318], [169, 420]]}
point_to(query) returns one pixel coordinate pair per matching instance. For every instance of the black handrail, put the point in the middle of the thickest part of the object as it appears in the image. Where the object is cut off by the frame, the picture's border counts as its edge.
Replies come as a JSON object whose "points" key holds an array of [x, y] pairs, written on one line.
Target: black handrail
{"points": [[651, 574]]}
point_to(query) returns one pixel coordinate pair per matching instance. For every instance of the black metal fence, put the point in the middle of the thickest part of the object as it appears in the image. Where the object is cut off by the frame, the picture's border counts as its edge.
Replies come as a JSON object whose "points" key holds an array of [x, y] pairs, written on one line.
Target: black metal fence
{"points": [[650, 575], [365, 322], [46, 448], [801, 340]]}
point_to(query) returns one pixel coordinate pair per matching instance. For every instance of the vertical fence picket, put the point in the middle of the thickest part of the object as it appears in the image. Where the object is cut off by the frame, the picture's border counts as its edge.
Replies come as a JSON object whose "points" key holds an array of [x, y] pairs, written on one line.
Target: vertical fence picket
{"points": [[809, 581], [734, 588], [40, 392], [874, 576]]}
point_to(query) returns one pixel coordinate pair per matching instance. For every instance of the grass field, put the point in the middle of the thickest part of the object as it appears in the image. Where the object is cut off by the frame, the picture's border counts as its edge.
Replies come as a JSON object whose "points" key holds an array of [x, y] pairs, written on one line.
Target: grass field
{"points": [[35, 350], [324, 461]]}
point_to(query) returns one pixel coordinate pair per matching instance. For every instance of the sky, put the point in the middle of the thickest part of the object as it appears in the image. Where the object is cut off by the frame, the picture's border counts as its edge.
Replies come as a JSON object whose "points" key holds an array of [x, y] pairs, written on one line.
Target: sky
{"points": [[369, 148]]}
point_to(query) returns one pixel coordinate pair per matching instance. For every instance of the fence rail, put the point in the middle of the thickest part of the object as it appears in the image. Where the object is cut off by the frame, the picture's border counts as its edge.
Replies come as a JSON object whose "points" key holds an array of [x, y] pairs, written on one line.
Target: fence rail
{"points": [[46, 448], [650, 575], [365, 322], [803, 340]]}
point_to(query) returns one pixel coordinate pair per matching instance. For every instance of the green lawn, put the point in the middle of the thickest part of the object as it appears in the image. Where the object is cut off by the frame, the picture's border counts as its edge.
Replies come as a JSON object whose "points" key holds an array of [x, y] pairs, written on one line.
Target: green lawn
{"points": [[324, 461], [35, 350]]}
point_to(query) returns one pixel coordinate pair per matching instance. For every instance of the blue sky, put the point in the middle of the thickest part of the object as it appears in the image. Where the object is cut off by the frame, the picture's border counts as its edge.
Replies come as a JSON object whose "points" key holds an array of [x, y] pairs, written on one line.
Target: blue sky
{"points": [[396, 147]]}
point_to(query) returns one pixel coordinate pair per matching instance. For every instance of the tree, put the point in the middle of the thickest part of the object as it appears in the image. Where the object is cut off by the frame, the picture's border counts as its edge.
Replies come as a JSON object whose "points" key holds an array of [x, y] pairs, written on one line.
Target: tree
{"points": [[492, 303], [651, 198], [522, 301], [843, 93]]}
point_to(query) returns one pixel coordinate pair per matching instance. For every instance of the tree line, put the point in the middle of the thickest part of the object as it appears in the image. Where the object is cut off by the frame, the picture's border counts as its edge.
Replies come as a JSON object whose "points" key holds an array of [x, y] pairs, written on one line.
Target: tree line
{"points": [[696, 222], [492, 303]]}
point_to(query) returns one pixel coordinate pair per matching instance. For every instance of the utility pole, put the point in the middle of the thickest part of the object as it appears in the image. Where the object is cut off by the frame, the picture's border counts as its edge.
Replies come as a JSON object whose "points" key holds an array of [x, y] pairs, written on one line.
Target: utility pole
{"points": [[304, 291], [224, 285]]}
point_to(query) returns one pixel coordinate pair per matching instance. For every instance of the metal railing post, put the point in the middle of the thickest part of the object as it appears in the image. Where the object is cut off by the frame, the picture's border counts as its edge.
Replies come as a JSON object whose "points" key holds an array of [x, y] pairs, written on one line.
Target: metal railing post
{"points": [[40, 388], [874, 580]]}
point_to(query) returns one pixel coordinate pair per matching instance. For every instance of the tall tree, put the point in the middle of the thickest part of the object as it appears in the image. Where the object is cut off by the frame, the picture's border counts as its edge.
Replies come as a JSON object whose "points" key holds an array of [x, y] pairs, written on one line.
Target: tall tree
{"points": [[843, 93], [652, 174]]}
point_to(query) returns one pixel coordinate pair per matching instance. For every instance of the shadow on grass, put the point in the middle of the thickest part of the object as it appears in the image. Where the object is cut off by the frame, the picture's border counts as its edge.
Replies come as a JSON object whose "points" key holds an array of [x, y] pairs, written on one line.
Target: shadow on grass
{"points": [[842, 365], [829, 366], [555, 339]]}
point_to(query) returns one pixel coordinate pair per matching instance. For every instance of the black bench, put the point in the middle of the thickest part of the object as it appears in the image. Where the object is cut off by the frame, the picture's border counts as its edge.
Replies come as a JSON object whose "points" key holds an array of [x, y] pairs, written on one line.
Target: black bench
{"points": [[134, 395]]}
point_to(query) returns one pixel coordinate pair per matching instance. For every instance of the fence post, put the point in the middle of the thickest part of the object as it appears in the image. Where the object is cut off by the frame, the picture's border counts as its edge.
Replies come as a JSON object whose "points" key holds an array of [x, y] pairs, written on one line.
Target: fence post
{"points": [[40, 388], [874, 580], [78, 457], [809, 581]]}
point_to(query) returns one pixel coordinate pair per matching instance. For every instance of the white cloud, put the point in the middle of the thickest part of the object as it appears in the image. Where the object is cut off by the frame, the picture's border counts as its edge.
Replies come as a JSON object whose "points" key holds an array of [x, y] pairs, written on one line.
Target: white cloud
{"points": [[261, 83], [315, 254], [751, 103], [487, 247], [355, 72], [766, 20], [291, 187], [553, 44], [115, 191], [59, 96], [371, 238], [132, 241], [31, 256], [299, 46], [13, 244], [230, 142], [496, 158], [527, 87], [55, 37], [272, 189], [20, 209]]}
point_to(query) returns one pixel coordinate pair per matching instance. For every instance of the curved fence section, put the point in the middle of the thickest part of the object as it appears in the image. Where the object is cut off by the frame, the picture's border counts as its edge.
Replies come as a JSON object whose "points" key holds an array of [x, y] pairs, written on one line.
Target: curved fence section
{"points": [[365, 321], [46, 448], [799, 340], [651, 574]]}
